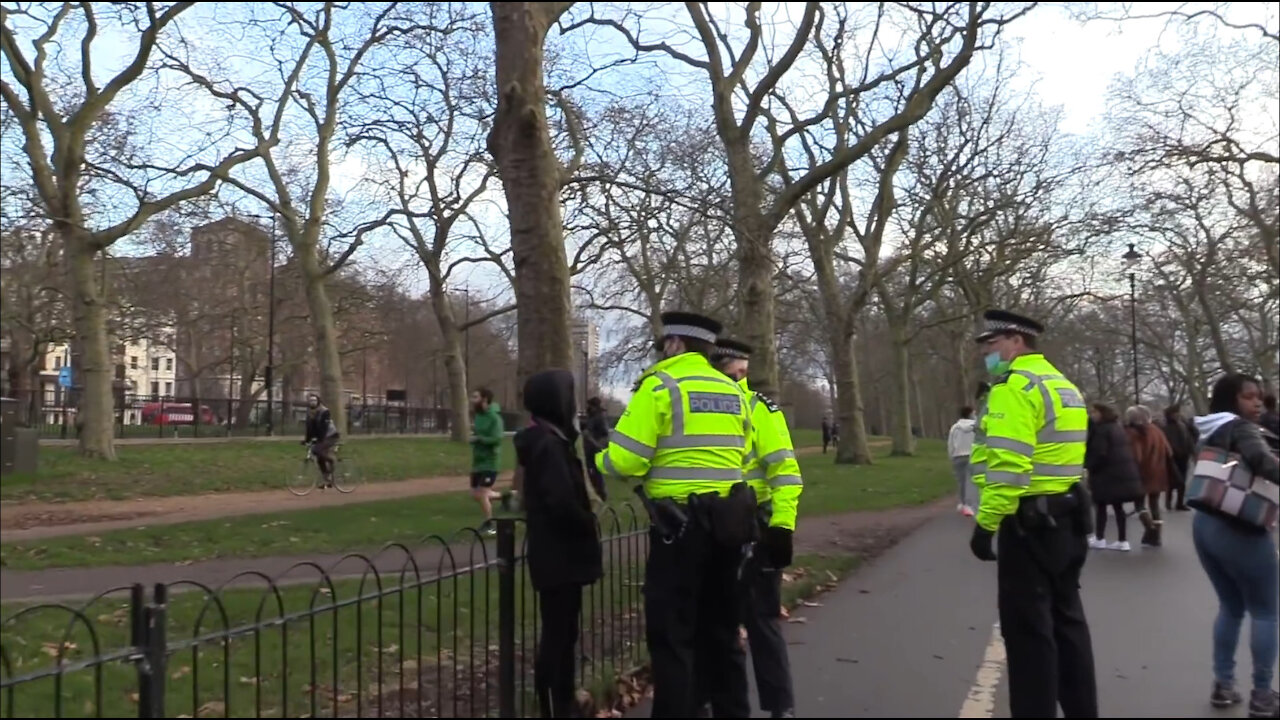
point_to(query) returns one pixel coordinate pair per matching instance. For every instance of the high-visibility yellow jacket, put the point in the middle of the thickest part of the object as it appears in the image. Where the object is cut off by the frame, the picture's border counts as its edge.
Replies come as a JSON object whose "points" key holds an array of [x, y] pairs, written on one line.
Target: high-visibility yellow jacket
{"points": [[685, 431], [771, 465], [1035, 428]]}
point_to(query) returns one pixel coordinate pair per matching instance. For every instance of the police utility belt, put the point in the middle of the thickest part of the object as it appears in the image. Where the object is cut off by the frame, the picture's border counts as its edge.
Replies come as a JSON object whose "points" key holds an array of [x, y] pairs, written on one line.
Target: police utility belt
{"points": [[1039, 512], [730, 521]]}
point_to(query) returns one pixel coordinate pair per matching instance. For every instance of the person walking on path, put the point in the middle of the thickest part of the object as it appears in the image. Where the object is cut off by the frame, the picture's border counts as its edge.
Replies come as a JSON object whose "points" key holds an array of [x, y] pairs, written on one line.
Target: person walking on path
{"points": [[1113, 475], [1154, 458], [563, 540], [1179, 436], [1240, 559], [826, 433], [1035, 428], [959, 446], [486, 447]]}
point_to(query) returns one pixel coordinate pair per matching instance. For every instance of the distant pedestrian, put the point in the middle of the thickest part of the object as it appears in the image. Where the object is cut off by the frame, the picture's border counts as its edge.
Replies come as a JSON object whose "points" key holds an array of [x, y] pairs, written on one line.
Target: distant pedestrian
{"points": [[1113, 476], [1154, 457], [959, 445], [1239, 558], [1179, 435], [595, 439], [1270, 421], [826, 433], [563, 536]]}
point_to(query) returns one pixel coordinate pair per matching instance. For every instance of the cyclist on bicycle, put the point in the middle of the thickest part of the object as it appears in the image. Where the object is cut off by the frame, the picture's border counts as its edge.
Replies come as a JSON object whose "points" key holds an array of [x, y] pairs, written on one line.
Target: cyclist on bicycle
{"points": [[324, 434]]}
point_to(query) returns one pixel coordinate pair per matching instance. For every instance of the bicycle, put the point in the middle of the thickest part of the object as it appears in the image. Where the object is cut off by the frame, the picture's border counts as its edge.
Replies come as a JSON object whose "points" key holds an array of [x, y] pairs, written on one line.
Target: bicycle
{"points": [[345, 474]]}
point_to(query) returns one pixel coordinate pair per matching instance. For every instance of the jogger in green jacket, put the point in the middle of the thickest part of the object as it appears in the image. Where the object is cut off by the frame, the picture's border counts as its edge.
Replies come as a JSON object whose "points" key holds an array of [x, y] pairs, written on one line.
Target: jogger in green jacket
{"points": [[486, 445]]}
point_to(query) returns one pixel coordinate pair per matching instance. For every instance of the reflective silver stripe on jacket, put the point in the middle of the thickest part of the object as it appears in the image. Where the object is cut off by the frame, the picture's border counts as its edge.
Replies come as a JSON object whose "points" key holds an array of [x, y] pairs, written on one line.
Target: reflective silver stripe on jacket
{"points": [[626, 442], [1005, 477], [692, 473], [678, 437]]}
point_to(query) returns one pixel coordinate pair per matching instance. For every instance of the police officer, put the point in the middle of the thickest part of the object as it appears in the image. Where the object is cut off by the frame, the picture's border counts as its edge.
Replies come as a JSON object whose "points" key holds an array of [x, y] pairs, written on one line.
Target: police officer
{"points": [[686, 434], [1035, 427], [774, 474]]}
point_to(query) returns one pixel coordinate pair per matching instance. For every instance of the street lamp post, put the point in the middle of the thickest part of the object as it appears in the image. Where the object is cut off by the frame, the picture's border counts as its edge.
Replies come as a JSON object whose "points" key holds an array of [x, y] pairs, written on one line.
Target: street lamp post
{"points": [[466, 331], [586, 377], [1131, 260], [271, 336]]}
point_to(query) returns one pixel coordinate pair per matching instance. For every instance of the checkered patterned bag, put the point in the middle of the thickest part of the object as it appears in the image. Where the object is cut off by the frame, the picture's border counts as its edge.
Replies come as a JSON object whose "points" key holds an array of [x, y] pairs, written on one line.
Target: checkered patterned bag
{"points": [[1220, 483]]}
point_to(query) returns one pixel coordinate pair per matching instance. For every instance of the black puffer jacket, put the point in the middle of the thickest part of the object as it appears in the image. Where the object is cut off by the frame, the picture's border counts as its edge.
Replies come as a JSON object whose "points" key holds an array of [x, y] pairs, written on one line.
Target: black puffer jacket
{"points": [[1113, 472]]}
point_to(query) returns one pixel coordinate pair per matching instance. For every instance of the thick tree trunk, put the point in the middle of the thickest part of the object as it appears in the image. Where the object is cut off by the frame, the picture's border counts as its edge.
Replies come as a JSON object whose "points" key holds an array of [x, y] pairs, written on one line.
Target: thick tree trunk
{"points": [[22, 384], [91, 356], [325, 333], [755, 266], [531, 178], [853, 448], [903, 442], [453, 361], [921, 418]]}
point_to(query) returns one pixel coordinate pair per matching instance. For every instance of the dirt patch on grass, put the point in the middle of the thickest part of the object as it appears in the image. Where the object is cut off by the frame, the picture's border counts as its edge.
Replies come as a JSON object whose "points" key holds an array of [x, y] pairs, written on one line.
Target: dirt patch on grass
{"points": [[864, 534]]}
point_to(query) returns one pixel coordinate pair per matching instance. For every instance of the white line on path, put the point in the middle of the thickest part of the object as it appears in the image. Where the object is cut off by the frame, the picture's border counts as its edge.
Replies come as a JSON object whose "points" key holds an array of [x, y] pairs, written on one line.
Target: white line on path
{"points": [[981, 702]]}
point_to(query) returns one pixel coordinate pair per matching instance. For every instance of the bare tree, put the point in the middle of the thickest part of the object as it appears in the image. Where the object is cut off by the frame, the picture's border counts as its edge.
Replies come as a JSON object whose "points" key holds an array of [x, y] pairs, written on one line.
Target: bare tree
{"points": [[60, 102], [745, 85], [319, 53], [532, 177], [427, 119]]}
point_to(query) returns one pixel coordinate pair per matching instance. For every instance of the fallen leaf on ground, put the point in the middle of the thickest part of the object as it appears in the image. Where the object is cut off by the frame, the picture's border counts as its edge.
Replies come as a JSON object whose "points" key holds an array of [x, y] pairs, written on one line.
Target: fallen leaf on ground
{"points": [[810, 603], [51, 649], [798, 620]]}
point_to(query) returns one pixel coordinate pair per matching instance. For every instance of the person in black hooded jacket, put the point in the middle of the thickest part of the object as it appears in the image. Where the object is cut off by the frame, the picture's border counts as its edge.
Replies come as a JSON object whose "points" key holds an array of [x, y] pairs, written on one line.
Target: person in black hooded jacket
{"points": [[563, 539]]}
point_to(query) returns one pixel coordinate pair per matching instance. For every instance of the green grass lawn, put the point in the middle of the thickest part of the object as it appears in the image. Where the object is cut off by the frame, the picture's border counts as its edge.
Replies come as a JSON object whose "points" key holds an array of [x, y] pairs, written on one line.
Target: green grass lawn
{"points": [[163, 470], [308, 651], [829, 489], [177, 469]]}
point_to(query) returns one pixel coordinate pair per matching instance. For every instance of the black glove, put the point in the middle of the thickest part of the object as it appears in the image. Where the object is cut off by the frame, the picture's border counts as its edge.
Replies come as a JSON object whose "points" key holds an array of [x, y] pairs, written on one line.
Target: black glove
{"points": [[778, 550], [980, 544]]}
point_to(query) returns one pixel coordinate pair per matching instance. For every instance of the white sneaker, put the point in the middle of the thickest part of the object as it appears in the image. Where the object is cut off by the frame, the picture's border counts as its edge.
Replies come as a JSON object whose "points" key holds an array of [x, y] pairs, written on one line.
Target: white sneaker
{"points": [[959, 507], [1121, 545]]}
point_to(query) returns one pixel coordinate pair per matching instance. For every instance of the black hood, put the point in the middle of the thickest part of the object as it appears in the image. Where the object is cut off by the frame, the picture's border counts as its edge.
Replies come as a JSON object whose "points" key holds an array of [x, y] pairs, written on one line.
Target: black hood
{"points": [[548, 396]]}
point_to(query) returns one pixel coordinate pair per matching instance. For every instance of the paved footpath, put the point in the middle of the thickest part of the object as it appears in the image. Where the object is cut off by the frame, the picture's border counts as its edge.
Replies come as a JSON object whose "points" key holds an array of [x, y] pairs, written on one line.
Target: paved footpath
{"points": [[913, 633]]}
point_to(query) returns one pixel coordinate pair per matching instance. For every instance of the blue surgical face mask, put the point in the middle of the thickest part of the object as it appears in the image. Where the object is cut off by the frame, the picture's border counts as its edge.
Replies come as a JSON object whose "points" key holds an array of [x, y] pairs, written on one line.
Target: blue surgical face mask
{"points": [[995, 365]]}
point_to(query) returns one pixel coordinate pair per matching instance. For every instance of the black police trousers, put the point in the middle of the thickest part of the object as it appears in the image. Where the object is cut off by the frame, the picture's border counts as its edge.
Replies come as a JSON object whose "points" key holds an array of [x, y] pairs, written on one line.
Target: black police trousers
{"points": [[1046, 635], [692, 597], [764, 633]]}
